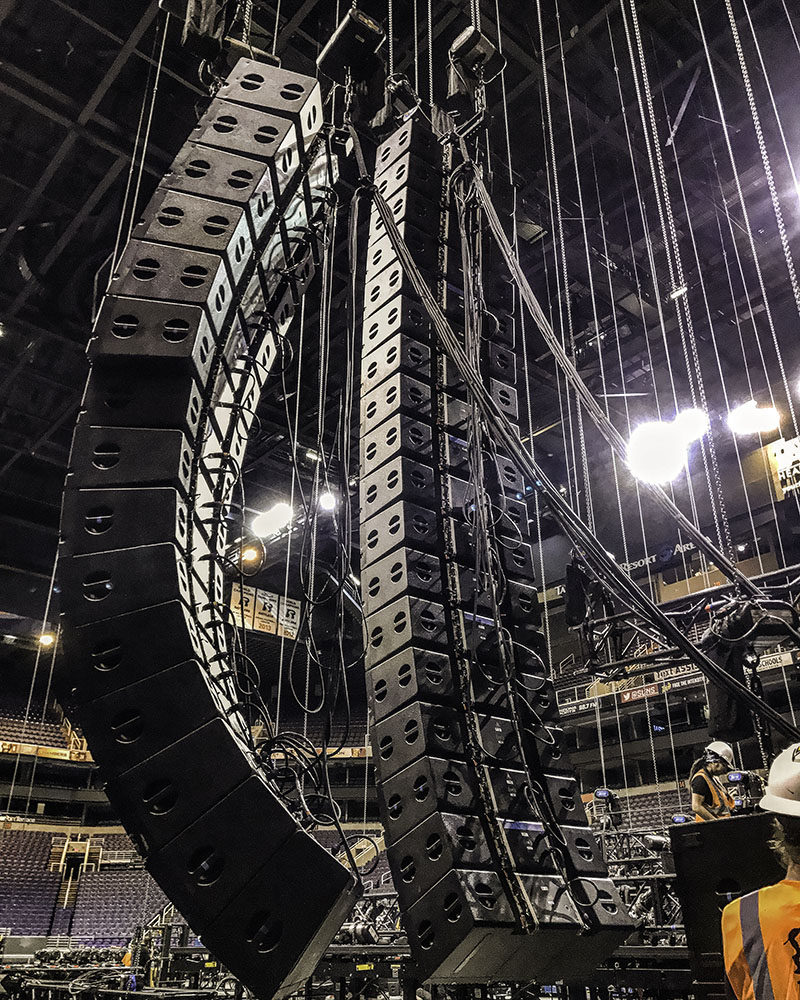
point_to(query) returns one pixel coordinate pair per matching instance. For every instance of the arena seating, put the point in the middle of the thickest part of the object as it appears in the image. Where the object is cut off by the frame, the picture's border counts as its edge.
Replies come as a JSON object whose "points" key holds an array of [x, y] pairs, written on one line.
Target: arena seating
{"points": [[116, 842], [110, 904], [28, 890], [46, 732]]}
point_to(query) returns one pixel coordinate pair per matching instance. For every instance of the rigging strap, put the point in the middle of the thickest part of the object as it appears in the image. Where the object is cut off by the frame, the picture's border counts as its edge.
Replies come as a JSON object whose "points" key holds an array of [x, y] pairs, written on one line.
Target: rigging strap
{"points": [[595, 411], [573, 526]]}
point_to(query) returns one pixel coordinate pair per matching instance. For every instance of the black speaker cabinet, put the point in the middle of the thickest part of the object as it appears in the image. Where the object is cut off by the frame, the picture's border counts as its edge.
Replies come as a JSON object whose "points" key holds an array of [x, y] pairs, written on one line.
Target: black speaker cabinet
{"points": [[716, 863]]}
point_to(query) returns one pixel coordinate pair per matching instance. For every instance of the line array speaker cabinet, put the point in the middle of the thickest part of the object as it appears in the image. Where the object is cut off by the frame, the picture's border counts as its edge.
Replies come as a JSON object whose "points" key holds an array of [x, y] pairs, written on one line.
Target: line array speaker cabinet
{"points": [[716, 863], [463, 773], [177, 372]]}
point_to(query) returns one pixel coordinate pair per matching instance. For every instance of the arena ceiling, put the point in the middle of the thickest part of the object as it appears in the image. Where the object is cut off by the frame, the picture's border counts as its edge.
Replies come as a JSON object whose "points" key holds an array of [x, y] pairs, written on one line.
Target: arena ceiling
{"points": [[79, 97]]}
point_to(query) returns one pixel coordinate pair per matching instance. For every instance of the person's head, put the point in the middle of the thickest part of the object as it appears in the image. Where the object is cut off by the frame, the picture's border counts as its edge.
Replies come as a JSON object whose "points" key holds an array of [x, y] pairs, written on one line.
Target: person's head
{"points": [[786, 839], [782, 797], [718, 757]]}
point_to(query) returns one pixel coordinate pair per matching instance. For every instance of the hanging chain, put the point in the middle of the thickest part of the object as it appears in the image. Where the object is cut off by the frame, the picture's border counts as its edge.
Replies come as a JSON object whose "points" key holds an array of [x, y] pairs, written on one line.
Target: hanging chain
{"points": [[390, 28], [683, 313], [430, 53], [762, 146]]}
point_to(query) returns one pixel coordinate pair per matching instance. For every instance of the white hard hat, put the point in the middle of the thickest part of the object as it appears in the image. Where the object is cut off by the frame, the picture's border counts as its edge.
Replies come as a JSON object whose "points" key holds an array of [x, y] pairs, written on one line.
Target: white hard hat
{"points": [[720, 749], [783, 784]]}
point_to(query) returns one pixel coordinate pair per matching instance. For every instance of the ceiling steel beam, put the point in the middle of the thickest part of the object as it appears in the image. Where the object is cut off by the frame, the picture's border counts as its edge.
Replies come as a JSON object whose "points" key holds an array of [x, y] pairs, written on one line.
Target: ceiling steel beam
{"points": [[74, 129], [57, 96], [295, 21], [66, 236], [66, 414], [120, 41]]}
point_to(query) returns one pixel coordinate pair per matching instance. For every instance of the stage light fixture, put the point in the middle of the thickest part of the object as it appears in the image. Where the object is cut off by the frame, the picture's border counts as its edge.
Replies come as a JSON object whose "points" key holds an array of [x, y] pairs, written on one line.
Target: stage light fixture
{"points": [[656, 452], [272, 521], [750, 418], [327, 501], [692, 424], [250, 555], [47, 639]]}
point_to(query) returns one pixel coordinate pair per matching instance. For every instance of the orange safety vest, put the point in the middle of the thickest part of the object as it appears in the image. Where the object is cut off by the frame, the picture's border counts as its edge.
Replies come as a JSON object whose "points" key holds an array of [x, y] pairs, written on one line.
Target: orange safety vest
{"points": [[761, 943], [721, 803]]}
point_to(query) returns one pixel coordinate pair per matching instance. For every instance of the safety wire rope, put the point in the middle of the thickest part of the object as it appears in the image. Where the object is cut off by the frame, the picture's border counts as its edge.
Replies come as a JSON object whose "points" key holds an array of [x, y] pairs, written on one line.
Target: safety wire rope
{"points": [[598, 333], [623, 387], [673, 749], [746, 220], [654, 275], [564, 422], [146, 140], [764, 153], [654, 757], [592, 296], [599, 341], [610, 432], [641, 299], [791, 25], [488, 570], [598, 416], [746, 228], [125, 210], [32, 687], [524, 340], [276, 30], [485, 579], [679, 289], [767, 83], [568, 331], [622, 760], [55, 651], [561, 298], [508, 438], [293, 443], [712, 334], [735, 311]]}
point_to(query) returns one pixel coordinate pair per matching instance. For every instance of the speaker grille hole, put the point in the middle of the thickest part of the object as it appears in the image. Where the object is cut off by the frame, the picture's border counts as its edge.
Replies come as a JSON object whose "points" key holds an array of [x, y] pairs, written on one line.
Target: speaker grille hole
{"points": [[98, 519], [205, 865], [485, 896], [97, 586], [426, 934], [408, 870], [146, 268], [127, 726], [216, 225], [197, 168], [175, 330], [466, 839], [452, 907], [124, 326], [434, 847], [225, 124], [170, 216], [264, 933], [159, 797]]}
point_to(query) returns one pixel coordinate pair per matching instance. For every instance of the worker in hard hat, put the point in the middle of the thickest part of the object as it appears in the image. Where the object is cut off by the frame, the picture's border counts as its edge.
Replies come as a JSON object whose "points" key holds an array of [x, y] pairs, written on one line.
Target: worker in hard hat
{"points": [[710, 798], [761, 931]]}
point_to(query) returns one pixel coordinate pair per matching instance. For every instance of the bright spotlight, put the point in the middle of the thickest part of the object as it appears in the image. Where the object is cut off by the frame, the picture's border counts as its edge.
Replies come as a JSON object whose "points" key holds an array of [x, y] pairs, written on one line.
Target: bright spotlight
{"points": [[273, 520], [250, 554], [327, 501], [47, 639], [750, 418], [656, 452], [692, 424]]}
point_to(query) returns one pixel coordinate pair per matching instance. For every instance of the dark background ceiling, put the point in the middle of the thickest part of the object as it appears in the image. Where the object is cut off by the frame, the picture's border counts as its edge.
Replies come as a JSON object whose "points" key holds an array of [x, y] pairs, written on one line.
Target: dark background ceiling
{"points": [[77, 92]]}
